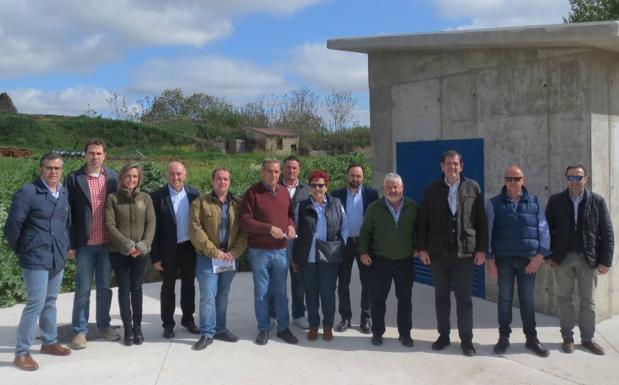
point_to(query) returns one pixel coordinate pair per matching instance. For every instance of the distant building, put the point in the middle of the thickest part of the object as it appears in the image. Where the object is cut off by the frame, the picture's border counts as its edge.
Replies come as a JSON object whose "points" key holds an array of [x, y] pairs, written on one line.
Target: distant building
{"points": [[235, 146], [273, 140]]}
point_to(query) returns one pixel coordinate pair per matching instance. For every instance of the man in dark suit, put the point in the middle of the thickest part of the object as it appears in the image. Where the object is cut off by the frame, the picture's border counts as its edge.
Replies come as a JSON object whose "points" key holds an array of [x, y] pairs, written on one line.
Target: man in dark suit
{"points": [[355, 199], [36, 229], [172, 251], [88, 189]]}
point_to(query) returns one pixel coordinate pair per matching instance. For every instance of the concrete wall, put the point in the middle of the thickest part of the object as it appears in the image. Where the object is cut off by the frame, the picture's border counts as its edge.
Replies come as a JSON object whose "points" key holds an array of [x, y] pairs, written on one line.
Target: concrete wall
{"points": [[540, 108]]}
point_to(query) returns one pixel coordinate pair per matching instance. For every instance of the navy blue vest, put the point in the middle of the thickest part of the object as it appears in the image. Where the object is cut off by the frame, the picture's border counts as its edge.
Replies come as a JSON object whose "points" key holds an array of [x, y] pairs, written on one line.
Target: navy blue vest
{"points": [[515, 231]]}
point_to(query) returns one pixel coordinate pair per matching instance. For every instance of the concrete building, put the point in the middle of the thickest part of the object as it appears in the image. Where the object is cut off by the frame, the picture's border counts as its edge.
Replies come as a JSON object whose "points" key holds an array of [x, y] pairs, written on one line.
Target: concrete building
{"points": [[273, 140], [543, 97]]}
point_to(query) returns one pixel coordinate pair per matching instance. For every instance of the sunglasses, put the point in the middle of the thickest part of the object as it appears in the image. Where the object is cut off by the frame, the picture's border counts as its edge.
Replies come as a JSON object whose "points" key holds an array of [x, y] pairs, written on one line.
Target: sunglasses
{"points": [[513, 178], [575, 178], [317, 185]]}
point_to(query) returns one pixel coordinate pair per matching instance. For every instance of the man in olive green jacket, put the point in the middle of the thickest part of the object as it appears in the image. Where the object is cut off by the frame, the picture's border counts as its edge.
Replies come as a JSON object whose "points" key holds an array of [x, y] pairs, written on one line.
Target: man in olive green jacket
{"points": [[215, 233], [386, 243]]}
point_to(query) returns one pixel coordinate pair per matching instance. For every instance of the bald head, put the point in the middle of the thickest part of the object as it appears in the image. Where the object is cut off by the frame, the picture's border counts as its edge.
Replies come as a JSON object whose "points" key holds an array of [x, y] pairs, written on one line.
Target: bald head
{"points": [[514, 181], [176, 175]]}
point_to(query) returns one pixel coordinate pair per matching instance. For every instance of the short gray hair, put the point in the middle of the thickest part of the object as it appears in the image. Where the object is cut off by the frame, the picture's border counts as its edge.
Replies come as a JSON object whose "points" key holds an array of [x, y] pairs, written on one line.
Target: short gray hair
{"points": [[392, 177], [50, 156], [267, 161]]}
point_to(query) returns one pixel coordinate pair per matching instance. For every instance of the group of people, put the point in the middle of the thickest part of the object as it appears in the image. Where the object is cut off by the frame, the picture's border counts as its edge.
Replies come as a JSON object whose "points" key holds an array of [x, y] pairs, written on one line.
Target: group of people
{"points": [[104, 222]]}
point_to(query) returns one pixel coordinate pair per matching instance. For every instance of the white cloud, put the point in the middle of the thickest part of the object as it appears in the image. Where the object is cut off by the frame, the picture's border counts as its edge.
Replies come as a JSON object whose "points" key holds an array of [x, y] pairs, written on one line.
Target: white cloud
{"points": [[503, 13], [41, 36], [329, 69], [70, 101], [238, 81]]}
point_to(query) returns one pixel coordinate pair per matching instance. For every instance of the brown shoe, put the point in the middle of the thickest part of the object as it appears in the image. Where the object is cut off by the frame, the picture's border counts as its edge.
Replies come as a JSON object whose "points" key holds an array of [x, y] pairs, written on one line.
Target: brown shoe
{"points": [[568, 344], [312, 334], [327, 334], [25, 363], [55, 350], [593, 347]]}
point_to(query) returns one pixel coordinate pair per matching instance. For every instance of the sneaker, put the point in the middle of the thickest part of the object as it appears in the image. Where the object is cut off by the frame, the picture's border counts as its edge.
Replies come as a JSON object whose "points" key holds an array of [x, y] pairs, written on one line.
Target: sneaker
{"points": [[502, 345], [534, 345], [287, 336], [568, 344], [593, 347], [441, 342], [301, 323], [79, 342], [109, 334]]}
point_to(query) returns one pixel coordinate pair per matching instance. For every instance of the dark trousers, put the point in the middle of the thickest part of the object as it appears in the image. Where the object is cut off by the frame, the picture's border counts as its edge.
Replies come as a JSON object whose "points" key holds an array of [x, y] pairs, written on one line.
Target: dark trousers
{"points": [[351, 252], [319, 280], [448, 271], [401, 271], [184, 263], [129, 273], [511, 269]]}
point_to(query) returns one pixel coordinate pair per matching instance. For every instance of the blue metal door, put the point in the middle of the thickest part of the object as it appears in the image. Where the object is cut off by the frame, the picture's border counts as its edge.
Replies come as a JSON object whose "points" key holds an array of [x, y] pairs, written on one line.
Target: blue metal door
{"points": [[419, 164]]}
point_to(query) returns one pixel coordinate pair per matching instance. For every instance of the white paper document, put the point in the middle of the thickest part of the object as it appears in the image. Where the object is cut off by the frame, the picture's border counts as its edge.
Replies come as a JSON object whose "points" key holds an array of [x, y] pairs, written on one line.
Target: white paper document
{"points": [[222, 265]]}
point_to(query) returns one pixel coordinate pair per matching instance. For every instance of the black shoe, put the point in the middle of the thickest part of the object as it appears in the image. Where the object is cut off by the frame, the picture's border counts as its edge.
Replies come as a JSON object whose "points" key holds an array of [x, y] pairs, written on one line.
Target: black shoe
{"points": [[226, 335], [343, 325], [502, 345], [365, 326], [534, 345], [287, 336], [467, 348], [441, 343], [377, 340], [168, 332], [263, 337], [407, 341], [138, 338], [191, 327], [202, 343], [128, 338], [593, 347]]}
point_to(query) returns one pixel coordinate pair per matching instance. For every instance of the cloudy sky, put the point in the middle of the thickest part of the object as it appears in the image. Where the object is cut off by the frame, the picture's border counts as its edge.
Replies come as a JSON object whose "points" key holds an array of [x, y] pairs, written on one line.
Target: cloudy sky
{"points": [[62, 56]]}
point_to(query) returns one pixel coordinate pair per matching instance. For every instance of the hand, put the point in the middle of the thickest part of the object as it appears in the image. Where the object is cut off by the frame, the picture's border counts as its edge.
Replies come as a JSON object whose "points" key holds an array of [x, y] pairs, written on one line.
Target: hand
{"points": [[291, 233], [535, 264], [491, 266], [71, 254], [550, 263], [603, 269], [366, 259], [424, 257], [157, 266], [134, 252], [276, 232], [230, 256], [221, 254], [295, 268], [479, 258]]}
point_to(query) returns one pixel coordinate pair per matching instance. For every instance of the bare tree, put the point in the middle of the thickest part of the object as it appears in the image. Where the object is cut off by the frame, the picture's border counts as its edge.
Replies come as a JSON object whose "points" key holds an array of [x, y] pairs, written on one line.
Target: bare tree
{"points": [[340, 105]]}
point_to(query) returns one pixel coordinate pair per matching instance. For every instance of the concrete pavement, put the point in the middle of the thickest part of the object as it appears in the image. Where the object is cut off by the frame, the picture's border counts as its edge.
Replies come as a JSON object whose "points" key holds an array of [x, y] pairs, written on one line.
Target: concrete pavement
{"points": [[348, 359]]}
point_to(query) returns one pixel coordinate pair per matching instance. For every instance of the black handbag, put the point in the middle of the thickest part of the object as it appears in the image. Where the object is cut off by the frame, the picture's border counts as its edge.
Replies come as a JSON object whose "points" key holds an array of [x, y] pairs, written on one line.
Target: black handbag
{"points": [[329, 251]]}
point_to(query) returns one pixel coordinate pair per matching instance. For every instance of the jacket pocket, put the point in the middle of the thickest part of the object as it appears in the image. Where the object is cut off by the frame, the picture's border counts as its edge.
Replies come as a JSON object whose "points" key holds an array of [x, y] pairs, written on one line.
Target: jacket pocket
{"points": [[470, 240]]}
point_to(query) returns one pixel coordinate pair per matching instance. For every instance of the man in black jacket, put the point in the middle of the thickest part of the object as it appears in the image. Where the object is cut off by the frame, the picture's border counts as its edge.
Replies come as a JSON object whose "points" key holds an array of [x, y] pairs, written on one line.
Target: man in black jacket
{"points": [[582, 245], [452, 236], [172, 250], [355, 199]]}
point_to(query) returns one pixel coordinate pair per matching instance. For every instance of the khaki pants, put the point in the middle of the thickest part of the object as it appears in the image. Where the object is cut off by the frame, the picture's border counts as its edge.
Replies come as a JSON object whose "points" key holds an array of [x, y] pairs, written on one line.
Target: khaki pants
{"points": [[574, 270]]}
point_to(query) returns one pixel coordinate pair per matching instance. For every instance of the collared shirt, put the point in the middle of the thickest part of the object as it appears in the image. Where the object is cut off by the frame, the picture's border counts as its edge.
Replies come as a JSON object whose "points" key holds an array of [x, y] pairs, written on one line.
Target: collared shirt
{"points": [[180, 202], [354, 211], [56, 193], [452, 197], [98, 195], [224, 223], [576, 201], [292, 189], [274, 191], [395, 213]]}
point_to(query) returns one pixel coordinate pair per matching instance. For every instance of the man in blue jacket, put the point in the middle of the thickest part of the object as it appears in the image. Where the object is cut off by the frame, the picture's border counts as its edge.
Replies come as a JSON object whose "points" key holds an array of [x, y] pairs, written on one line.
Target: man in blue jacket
{"points": [[355, 199], [519, 240], [36, 230]]}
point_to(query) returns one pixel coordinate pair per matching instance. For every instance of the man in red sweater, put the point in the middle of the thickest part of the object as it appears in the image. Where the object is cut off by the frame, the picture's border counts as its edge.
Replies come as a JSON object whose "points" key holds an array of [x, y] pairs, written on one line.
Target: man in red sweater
{"points": [[267, 217]]}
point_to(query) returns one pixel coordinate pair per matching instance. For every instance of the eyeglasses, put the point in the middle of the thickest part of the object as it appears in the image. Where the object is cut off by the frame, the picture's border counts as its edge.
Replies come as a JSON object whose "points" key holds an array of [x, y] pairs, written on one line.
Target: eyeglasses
{"points": [[575, 178], [317, 185], [513, 178]]}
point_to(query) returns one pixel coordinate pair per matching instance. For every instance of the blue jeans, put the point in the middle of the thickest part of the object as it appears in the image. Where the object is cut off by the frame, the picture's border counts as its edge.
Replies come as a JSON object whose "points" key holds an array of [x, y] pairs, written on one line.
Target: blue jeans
{"points": [[214, 289], [42, 289], [270, 267], [511, 268], [91, 260], [320, 283]]}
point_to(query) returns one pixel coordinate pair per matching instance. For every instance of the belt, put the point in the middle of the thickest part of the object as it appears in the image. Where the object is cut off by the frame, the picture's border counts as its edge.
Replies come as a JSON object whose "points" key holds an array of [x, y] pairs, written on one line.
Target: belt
{"points": [[354, 239]]}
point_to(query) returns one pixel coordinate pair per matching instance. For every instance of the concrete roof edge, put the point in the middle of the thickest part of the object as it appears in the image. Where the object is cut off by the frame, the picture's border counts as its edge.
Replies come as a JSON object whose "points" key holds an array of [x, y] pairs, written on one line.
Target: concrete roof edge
{"points": [[602, 35]]}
